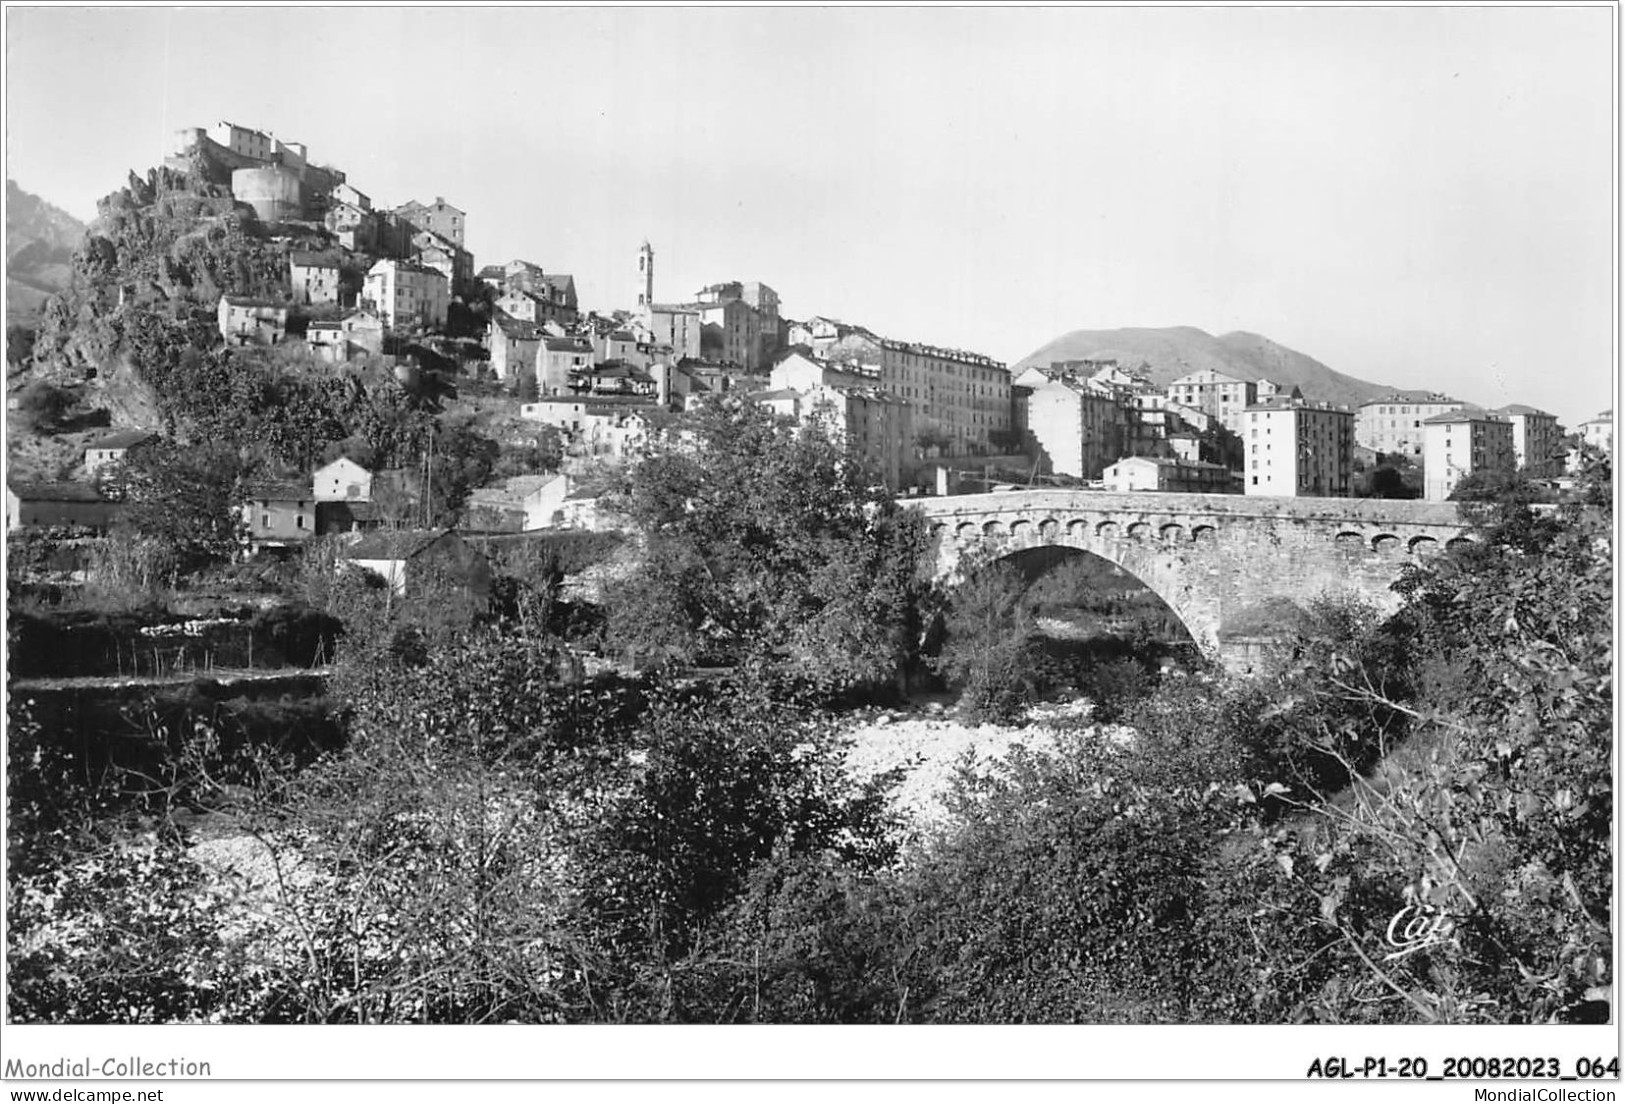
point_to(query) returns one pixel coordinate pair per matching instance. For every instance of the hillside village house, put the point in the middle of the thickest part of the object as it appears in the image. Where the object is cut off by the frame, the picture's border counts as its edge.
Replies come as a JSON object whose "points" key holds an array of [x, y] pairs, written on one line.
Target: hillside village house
{"points": [[346, 339], [438, 217], [559, 290], [1459, 442], [348, 193], [513, 345], [515, 275], [405, 293], [963, 396], [1393, 423], [278, 514], [1598, 432], [868, 420], [327, 342], [671, 325], [356, 228], [364, 331], [1224, 397], [557, 359], [1268, 389], [114, 448], [1076, 425], [739, 324], [245, 321], [314, 277], [616, 377], [620, 345], [1180, 476], [1537, 440], [424, 561], [797, 369], [341, 480], [1294, 447], [448, 258], [31, 505], [242, 140], [520, 504]]}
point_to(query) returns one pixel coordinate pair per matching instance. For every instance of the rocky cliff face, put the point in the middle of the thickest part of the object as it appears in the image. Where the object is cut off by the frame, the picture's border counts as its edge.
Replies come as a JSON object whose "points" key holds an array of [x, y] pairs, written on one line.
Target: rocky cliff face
{"points": [[168, 244]]}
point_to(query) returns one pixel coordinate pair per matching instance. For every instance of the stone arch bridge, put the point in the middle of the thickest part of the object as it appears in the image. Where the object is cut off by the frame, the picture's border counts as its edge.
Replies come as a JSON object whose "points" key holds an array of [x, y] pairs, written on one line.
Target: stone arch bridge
{"points": [[1218, 561]]}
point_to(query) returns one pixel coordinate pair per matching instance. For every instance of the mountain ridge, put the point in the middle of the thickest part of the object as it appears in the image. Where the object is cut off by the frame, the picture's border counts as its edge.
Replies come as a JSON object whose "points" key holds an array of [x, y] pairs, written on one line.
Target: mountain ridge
{"points": [[1165, 353], [40, 242]]}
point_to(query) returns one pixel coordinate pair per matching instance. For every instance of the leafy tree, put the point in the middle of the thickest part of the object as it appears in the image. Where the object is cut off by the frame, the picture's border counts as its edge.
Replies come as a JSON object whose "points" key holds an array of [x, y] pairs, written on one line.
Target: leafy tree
{"points": [[770, 545], [185, 497], [991, 652], [44, 404], [1387, 482]]}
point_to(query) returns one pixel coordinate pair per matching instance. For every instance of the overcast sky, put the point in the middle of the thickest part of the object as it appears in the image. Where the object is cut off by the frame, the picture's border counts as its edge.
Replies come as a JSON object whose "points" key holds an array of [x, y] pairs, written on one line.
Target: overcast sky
{"points": [[1419, 197]]}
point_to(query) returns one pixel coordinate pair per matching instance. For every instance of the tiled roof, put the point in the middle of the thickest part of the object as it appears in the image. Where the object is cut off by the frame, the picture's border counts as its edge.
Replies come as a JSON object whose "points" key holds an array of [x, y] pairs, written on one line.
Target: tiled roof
{"points": [[393, 544], [567, 345], [1472, 414], [277, 490], [312, 260], [56, 492]]}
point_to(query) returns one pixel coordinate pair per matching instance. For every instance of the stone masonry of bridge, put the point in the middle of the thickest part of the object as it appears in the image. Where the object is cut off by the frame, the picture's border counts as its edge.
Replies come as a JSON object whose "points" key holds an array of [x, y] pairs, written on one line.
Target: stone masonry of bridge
{"points": [[1216, 560]]}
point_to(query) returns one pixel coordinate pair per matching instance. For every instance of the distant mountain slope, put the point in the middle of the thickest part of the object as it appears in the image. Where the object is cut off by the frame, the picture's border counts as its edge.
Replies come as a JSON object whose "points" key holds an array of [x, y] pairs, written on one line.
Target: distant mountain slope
{"points": [[1168, 353], [40, 240]]}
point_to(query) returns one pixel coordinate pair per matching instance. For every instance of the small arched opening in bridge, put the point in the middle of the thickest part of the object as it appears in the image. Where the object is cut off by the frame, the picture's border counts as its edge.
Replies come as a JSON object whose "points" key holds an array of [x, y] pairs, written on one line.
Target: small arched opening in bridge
{"points": [[1087, 607]]}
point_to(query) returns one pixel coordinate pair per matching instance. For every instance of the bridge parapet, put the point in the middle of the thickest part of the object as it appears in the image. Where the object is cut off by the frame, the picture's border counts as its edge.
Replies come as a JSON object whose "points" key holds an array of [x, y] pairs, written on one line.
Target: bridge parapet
{"points": [[1212, 558]]}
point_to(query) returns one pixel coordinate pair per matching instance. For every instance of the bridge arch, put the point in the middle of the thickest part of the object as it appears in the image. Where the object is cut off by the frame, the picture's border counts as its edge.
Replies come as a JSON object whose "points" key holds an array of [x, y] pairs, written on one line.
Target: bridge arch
{"points": [[1206, 556], [1036, 560]]}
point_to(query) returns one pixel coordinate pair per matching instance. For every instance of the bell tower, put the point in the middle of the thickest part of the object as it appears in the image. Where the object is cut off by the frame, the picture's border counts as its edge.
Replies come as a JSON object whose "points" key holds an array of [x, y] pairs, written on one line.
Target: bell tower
{"points": [[646, 277]]}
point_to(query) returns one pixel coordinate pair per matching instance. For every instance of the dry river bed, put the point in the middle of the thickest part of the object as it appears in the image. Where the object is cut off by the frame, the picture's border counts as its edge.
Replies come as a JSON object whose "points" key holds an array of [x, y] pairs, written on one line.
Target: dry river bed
{"points": [[930, 743]]}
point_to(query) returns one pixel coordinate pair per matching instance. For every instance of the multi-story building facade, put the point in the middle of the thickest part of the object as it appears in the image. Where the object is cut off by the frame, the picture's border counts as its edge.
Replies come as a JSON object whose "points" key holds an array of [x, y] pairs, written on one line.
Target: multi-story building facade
{"points": [[314, 277], [1216, 394], [964, 398], [797, 371], [242, 140], [871, 423], [1459, 442], [1393, 424], [356, 228], [557, 360], [1078, 428], [246, 321], [1167, 474], [446, 257], [673, 326], [1598, 432], [438, 217], [513, 346], [349, 193], [405, 293], [732, 323], [1294, 447], [739, 323], [1537, 440]]}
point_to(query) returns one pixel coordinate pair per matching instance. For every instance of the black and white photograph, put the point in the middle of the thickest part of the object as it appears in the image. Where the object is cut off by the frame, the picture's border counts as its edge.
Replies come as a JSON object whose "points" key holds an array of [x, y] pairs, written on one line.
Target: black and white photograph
{"points": [[1094, 519]]}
